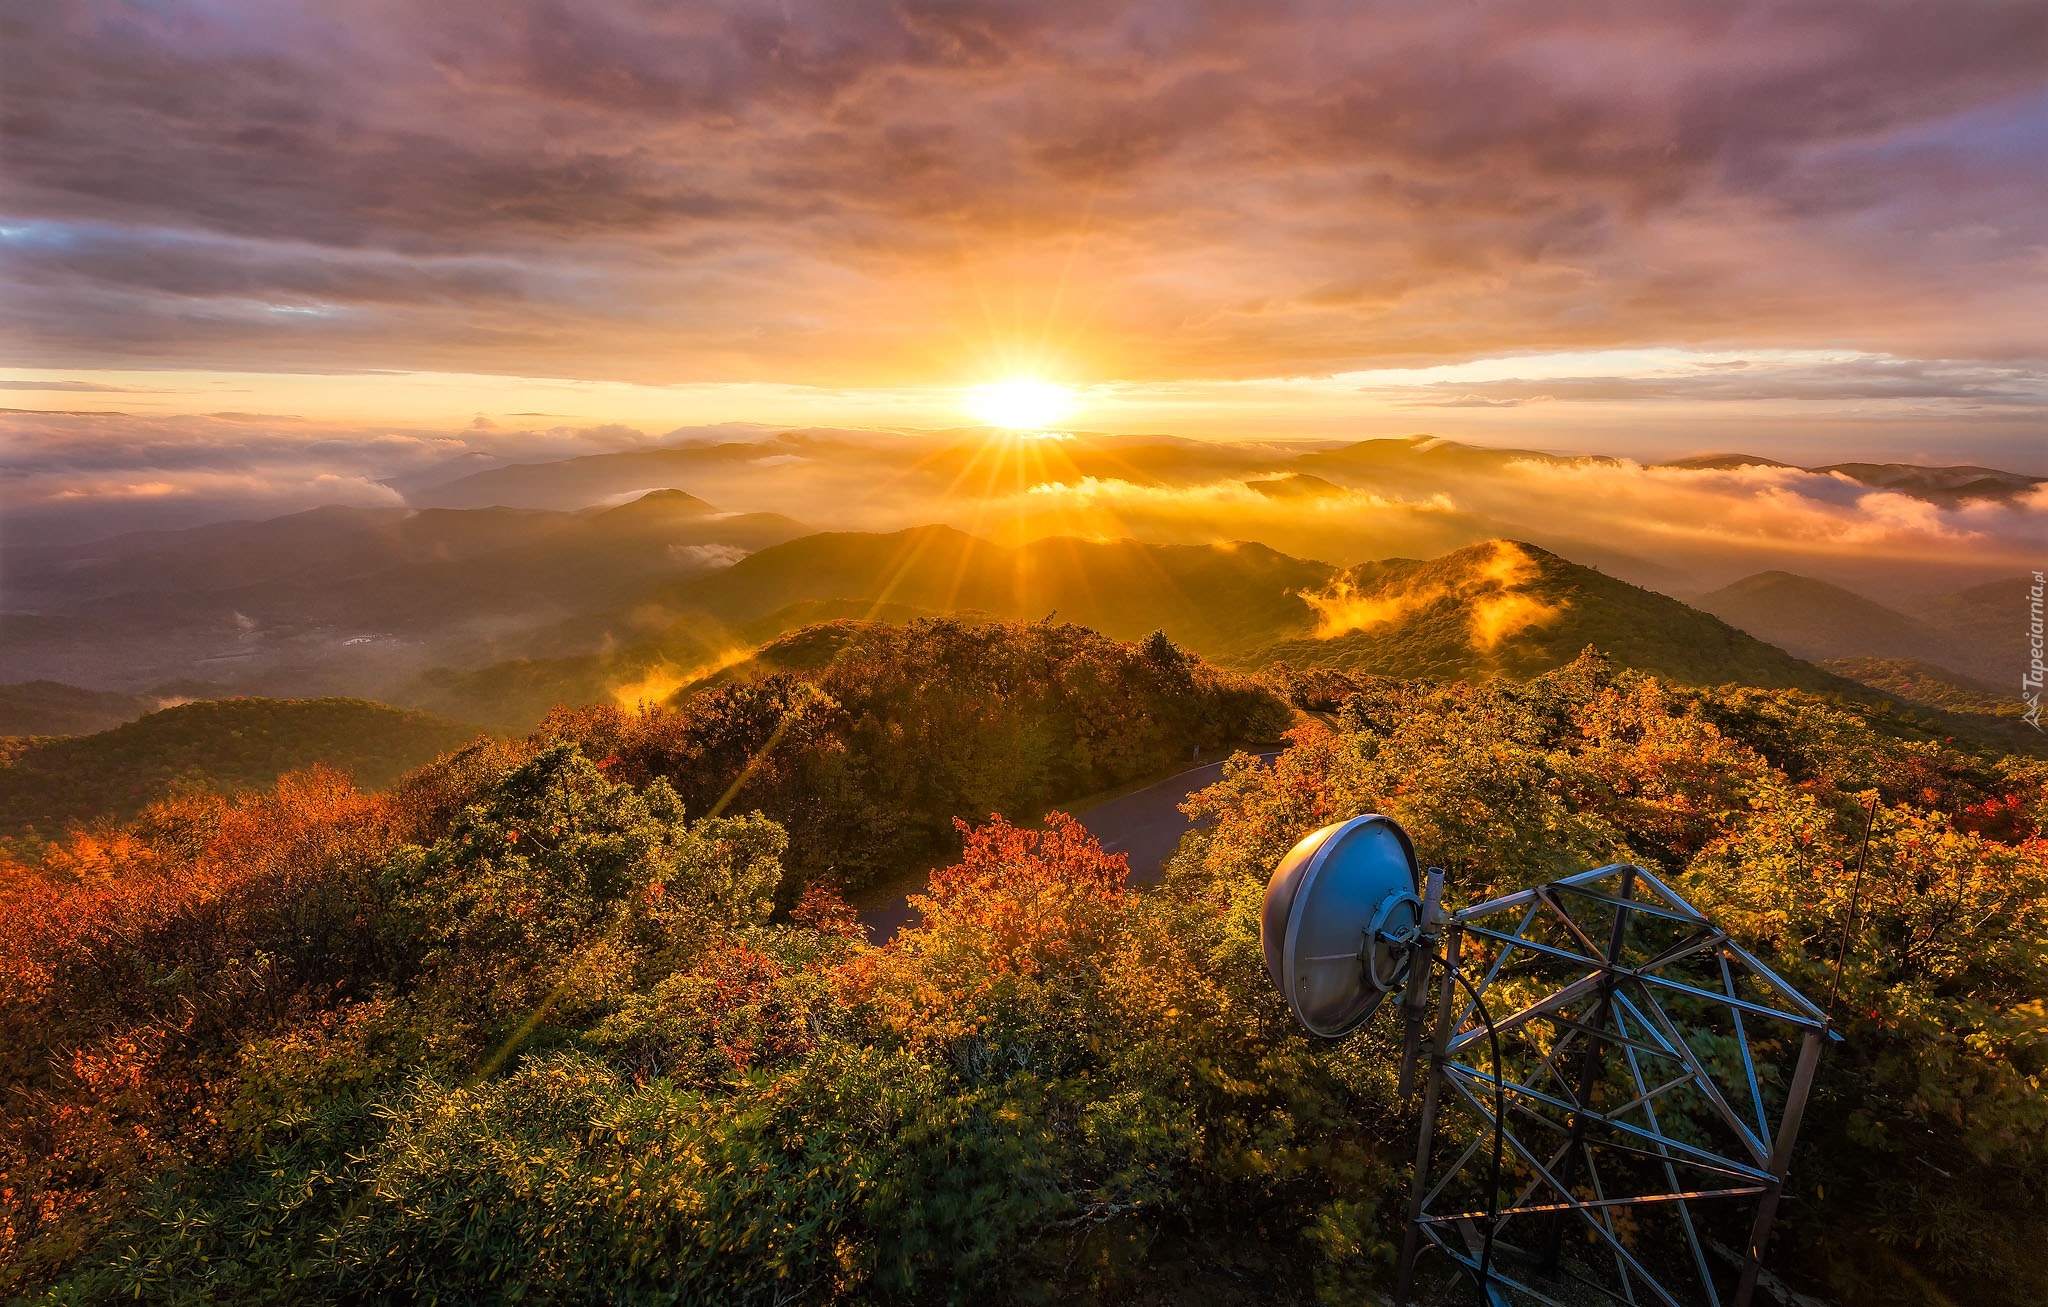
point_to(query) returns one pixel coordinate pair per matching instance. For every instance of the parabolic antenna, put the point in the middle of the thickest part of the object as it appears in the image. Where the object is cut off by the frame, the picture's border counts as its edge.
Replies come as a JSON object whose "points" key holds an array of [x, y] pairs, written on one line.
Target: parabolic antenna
{"points": [[1341, 914]]}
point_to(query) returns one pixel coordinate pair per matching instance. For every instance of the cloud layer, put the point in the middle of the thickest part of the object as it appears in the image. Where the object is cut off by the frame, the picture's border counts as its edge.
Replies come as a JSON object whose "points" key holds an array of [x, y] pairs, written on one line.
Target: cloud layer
{"points": [[819, 192]]}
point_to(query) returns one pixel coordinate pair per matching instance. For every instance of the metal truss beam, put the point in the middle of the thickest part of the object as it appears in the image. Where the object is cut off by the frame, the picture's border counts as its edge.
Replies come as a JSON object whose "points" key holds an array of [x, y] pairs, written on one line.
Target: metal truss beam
{"points": [[1606, 1010]]}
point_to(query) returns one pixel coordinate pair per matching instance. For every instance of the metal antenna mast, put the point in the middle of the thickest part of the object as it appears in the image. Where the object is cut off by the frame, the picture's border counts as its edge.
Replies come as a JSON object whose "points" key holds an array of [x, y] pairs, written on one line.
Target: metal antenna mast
{"points": [[1614, 1084]]}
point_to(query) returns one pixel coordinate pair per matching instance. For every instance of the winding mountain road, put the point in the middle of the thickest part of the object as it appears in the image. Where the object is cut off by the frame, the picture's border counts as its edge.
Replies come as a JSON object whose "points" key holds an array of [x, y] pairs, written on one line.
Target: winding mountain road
{"points": [[1146, 825]]}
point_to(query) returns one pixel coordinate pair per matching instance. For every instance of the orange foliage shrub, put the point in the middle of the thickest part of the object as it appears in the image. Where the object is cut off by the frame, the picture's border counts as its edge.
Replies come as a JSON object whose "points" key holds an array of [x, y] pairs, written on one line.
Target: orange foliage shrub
{"points": [[822, 909], [1013, 939], [133, 963]]}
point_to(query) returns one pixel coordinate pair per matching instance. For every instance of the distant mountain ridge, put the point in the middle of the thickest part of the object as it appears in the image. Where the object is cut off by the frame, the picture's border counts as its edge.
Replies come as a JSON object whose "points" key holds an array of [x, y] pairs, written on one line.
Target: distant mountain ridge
{"points": [[1817, 619], [1970, 633], [573, 483], [54, 708], [600, 575], [349, 599], [1501, 607], [1947, 486]]}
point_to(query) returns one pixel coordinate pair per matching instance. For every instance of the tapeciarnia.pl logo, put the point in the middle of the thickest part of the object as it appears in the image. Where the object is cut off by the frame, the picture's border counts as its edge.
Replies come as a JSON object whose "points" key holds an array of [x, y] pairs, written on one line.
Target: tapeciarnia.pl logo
{"points": [[2030, 683]]}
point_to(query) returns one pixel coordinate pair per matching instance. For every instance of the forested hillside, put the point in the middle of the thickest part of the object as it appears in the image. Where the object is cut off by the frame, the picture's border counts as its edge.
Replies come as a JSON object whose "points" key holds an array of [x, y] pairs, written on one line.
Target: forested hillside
{"points": [[49, 784], [1923, 683], [1224, 600], [530, 1027], [1504, 607], [54, 708], [1497, 608], [867, 739]]}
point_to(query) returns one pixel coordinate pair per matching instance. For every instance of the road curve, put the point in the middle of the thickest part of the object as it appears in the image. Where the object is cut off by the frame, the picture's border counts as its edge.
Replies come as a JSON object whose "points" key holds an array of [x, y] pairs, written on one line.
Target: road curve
{"points": [[1146, 825]]}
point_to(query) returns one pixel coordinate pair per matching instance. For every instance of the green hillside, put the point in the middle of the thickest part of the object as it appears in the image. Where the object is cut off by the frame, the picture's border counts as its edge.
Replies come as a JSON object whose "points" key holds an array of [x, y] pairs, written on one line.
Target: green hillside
{"points": [[1815, 619], [1498, 608], [1926, 684], [878, 735], [48, 784], [673, 652], [54, 708], [1970, 633], [1986, 626], [531, 1026], [1224, 601], [1492, 608], [1505, 608]]}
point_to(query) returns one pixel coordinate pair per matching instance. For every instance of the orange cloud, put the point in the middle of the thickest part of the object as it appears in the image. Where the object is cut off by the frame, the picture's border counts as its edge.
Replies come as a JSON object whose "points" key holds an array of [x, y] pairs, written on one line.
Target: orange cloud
{"points": [[1499, 608], [1497, 617], [1342, 608], [659, 683]]}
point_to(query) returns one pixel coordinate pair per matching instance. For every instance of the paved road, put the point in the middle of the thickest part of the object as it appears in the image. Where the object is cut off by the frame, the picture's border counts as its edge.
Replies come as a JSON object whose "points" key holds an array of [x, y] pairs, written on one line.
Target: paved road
{"points": [[1146, 825]]}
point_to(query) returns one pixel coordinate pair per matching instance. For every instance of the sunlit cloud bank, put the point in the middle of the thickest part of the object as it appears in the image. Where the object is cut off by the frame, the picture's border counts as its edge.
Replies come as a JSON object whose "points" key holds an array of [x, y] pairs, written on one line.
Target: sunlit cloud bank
{"points": [[1772, 508], [1311, 520], [70, 475]]}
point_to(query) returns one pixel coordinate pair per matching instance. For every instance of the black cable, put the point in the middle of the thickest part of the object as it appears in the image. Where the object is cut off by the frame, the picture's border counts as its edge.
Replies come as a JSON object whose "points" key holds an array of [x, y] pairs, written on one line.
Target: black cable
{"points": [[1855, 901], [1500, 1112]]}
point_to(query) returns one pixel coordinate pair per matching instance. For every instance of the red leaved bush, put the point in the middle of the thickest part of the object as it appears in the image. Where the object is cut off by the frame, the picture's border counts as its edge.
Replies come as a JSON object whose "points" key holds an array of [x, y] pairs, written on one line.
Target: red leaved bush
{"points": [[822, 909], [1012, 946], [1026, 890]]}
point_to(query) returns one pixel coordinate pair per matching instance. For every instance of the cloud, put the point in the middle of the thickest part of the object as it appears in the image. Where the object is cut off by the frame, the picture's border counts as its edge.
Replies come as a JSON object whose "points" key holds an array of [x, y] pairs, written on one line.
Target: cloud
{"points": [[1332, 523], [69, 387], [75, 475], [654, 685], [821, 192], [1839, 380], [707, 555], [1784, 510], [1499, 617], [1343, 608], [1469, 400], [1498, 607]]}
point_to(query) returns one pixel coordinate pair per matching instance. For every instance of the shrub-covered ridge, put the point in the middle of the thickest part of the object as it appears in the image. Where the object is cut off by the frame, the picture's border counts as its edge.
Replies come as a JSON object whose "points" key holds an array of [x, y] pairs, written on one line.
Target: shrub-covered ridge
{"points": [[527, 1027]]}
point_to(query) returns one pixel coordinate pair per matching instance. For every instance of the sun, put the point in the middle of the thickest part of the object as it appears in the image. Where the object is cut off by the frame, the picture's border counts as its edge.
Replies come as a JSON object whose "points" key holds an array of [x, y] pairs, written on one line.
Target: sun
{"points": [[1022, 403]]}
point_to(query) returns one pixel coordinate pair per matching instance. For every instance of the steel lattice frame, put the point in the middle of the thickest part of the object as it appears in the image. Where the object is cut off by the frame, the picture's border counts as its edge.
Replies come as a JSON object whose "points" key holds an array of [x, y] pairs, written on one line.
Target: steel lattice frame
{"points": [[1643, 1059]]}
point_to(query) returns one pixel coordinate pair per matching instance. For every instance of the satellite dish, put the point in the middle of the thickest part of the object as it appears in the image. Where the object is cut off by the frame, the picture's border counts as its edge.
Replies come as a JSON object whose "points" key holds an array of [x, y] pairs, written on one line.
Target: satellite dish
{"points": [[1342, 914]]}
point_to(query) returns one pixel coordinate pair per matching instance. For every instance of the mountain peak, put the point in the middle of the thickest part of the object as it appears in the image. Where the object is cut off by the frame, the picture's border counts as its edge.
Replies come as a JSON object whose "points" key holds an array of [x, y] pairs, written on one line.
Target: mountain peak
{"points": [[667, 503]]}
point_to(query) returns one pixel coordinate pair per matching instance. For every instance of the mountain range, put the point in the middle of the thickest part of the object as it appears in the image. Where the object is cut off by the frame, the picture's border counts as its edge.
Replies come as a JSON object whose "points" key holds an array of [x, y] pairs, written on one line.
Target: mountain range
{"points": [[353, 600], [623, 576], [1947, 486], [569, 484], [1497, 608], [1974, 632], [494, 614]]}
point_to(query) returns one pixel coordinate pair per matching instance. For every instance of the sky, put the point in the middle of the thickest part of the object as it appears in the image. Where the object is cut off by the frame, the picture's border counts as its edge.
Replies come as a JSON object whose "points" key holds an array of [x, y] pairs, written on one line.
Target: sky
{"points": [[1808, 230]]}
